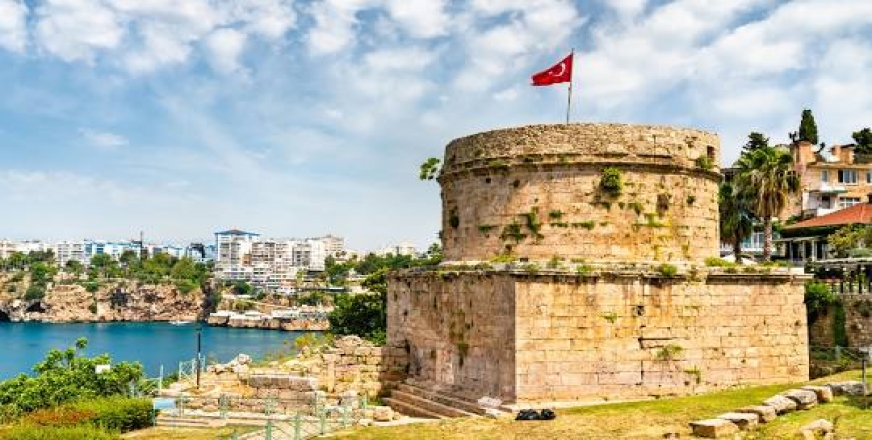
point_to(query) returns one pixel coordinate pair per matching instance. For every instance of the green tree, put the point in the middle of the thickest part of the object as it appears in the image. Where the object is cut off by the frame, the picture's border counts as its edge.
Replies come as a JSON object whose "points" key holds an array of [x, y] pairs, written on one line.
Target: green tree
{"points": [[74, 267], [808, 128], [767, 180], [736, 219], [429, 169], [863, 139], [100, 264], [756, 140], [846, 238]]}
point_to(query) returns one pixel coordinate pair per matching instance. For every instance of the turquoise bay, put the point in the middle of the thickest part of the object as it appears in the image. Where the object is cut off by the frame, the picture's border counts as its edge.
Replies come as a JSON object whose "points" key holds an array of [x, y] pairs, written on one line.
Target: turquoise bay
{"points": [[152, 344]]}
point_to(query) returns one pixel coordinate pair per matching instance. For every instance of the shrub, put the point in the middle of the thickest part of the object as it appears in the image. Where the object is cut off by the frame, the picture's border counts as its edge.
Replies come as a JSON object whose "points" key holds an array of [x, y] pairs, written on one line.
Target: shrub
{"points": [[26, 432], [718, 262], [610, 182], [668, 270], [64, 376], [362, 315], [818, 298], [117, 413], [112, 413], [34, 292], [704, 162], [92, 286], [186, 286]]}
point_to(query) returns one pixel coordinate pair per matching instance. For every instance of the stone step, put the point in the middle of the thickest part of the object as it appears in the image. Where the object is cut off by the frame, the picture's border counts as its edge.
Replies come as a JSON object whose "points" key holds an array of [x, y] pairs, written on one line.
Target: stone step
{"points": [[430, 405], [410, 409], [186, 422], [454, 402]]}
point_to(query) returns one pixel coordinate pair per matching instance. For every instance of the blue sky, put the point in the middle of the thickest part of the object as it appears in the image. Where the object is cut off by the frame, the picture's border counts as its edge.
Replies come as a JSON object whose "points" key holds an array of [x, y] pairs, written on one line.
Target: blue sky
{"points": [[299, 118]]}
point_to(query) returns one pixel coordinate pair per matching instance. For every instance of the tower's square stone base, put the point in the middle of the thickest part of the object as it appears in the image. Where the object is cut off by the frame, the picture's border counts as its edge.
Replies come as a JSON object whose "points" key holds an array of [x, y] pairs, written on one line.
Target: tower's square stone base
{"points": [[552, 335]]}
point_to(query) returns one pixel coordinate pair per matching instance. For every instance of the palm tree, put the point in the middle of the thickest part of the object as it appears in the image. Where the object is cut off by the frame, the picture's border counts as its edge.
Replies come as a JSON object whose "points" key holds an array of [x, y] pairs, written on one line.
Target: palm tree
{"points": [[737, 221], [766, 179]]}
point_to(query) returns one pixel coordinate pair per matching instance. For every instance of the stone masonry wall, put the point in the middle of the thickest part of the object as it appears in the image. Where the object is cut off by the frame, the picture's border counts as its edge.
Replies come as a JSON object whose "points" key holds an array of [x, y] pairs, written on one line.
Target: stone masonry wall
{"points": [[458, 330], [534, 192], [858, 323], [629, 336], [559, 336]]}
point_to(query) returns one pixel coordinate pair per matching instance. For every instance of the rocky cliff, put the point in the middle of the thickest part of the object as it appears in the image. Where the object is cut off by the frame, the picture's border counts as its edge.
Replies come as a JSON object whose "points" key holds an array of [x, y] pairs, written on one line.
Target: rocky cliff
{"points": [[111, 301]]}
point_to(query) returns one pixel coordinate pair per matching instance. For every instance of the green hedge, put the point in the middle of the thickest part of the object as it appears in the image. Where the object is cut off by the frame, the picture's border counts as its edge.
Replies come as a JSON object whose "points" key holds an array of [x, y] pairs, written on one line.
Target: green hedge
{"points": [[112, 413], [25, 432]]}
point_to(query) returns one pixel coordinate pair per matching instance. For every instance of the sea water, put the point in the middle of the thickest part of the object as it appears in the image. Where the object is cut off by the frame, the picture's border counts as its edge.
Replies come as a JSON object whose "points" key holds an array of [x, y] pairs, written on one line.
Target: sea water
{"points": [[22, 344]]}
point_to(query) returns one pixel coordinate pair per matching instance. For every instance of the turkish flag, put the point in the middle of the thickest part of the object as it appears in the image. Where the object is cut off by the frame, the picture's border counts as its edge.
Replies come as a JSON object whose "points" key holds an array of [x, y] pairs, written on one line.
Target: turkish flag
{"points": [[558, 73]]}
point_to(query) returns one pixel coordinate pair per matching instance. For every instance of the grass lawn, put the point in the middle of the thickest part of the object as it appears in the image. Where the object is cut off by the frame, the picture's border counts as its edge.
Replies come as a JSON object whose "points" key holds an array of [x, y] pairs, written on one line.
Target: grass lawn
{"points": [[168, 433], [637, 420]]}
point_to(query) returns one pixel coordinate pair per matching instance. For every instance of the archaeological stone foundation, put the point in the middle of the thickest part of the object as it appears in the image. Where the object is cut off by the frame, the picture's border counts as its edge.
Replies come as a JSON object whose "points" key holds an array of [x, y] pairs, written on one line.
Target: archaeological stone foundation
{"points": [[557, 285]]}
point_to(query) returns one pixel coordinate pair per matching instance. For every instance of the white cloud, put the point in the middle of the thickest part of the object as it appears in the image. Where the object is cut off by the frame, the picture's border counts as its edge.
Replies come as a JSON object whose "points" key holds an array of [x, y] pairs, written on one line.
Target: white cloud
{"points": [[532, 28], [270, 19], [73, 30], [103, 139], [224, 47], [420, 18], [13, 27]]}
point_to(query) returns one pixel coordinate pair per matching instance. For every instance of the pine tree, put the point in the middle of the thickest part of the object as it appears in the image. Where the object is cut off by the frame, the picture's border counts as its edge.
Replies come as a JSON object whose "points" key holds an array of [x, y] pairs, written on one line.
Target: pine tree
{"points": [[756, 140], [808, 128]]}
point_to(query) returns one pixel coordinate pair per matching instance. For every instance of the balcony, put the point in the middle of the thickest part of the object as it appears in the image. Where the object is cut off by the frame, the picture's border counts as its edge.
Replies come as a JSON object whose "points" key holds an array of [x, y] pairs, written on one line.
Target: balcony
{"points": [[826, 188], [817, 212]]}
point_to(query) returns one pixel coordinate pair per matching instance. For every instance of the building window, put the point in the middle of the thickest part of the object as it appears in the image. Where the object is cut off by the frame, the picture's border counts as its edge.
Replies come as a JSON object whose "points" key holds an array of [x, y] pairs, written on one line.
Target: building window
{"points": [[847, 202], [826, 202], [869, 177], [848, 176], [825, 176]]}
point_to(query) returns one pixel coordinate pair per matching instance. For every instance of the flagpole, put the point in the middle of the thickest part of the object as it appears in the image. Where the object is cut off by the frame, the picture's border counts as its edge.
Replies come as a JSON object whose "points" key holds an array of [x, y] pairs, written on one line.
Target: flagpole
{"points": [[569, 96]]}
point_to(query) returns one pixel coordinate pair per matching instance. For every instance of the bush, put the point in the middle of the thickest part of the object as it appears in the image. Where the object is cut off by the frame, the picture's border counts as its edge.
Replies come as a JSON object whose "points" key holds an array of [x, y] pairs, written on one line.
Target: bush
{"points": [[34, 292], [362, 315], [610, 182], [25, 432], [668, 270], [818, 298], [62, 377], [718, 262], [117, 413]]}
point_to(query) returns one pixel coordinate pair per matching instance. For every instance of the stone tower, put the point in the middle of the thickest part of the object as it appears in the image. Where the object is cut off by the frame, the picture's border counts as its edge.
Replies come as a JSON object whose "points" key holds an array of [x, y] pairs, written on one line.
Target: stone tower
{"points": [[575, 269]]}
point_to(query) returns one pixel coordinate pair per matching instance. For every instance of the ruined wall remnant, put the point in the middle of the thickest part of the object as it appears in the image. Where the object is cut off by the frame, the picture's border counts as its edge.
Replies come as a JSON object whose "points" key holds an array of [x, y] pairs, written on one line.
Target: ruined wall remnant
{"points": [[575, 270]]}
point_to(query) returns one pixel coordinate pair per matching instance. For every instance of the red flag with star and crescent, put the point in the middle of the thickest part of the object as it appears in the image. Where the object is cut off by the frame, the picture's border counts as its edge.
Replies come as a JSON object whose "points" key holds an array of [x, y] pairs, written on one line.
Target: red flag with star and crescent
{"points": [[558, 73]]}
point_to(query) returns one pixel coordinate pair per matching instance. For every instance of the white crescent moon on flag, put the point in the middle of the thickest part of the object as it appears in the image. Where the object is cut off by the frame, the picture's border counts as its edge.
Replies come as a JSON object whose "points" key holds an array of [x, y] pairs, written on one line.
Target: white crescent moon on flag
{"points": [[562, 70]]}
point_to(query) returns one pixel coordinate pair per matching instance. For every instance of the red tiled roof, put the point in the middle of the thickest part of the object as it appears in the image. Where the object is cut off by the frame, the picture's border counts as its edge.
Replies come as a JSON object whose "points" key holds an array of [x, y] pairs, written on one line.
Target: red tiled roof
{"points": [[861, 213]]}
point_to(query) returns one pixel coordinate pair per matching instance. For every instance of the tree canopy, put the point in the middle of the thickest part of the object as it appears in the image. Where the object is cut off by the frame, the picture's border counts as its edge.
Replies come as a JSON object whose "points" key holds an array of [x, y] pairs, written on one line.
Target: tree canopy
{"points": [[808, 128], [756, 140]]}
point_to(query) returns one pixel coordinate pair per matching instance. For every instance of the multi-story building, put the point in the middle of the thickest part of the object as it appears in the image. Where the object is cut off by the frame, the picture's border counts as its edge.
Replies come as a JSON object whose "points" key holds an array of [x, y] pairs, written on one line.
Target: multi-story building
{"points": [[71, 250], [334, 245], [233, 257], [310, 254], [832, 178], [7, 248], [404, 248]]}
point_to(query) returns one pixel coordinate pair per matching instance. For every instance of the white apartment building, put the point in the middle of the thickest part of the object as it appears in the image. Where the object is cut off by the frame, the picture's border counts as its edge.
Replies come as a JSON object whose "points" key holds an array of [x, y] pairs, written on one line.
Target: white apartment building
{"points": [[310, 254], [404, 248], [233, 254], [334, 245], [7, 248], [71, 250]]}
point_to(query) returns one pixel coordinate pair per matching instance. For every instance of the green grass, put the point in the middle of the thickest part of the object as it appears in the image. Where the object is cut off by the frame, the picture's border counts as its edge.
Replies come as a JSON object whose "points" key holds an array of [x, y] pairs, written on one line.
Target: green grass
{"points": [[637, 420]]}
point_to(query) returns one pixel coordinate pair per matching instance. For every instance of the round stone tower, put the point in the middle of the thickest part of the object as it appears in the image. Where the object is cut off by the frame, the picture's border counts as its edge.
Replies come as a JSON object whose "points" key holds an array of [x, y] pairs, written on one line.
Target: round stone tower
{"points": [[596, 192]]}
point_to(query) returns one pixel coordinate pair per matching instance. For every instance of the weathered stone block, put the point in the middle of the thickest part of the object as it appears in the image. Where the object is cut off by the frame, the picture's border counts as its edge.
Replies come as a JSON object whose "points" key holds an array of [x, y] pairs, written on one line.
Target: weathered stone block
{"points": [[765, 413], [804, 399], [824, 394], [713, 428], [781, 404], [745, 421]]}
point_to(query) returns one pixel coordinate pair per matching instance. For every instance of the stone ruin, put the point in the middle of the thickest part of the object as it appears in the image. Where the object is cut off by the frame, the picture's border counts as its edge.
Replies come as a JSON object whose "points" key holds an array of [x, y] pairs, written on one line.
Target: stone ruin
{"points": [[561, 285]]}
